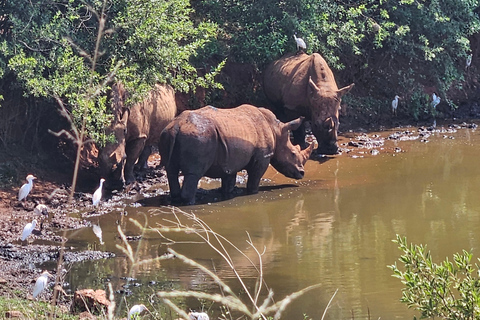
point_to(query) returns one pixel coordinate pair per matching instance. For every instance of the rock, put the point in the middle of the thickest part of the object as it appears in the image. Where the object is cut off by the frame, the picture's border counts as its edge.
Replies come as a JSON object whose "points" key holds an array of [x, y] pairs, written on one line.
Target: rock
{"points": [[86, 316], [90, 300], [13, 314]]}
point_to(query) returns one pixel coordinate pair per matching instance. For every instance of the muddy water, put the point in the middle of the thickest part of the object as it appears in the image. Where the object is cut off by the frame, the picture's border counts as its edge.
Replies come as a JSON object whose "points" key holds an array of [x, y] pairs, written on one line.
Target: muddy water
{"points": [[334, 228]]}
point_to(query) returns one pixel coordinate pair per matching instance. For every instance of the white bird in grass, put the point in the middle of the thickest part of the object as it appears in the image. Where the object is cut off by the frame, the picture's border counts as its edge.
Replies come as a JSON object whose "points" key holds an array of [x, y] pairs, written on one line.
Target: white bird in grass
{"points": [[98, 232], [395, 105], [435, 100], [300, 43], [27, 230], [97, 195], [26, 188], [136, 310], [198, 316], [41, 283]]}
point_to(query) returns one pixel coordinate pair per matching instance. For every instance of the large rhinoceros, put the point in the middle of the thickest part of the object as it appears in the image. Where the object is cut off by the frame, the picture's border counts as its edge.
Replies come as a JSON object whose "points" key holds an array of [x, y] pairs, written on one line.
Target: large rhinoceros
{"points": [[220, 142], [136, 129], [303, 85]]}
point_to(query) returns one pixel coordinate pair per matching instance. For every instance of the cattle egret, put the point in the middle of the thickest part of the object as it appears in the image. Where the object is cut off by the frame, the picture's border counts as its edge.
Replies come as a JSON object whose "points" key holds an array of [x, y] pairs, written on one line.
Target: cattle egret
{"points": [[98, 232], [41, 283], [27, 230], [26, 188], [435, 100], [41, 210], [469, 61], [97, 195], [198, 316], [136, 310], [395, 105], [300, 43]]}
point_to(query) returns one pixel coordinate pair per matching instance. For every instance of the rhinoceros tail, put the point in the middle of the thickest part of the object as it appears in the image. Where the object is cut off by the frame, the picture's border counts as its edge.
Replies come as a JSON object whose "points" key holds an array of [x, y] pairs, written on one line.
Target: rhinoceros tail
{"points": [[167, 142]]}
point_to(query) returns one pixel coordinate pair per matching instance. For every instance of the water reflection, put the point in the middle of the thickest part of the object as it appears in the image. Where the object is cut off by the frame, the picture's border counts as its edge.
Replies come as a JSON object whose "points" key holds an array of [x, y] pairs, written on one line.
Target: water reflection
{"points": [[334, 228]]}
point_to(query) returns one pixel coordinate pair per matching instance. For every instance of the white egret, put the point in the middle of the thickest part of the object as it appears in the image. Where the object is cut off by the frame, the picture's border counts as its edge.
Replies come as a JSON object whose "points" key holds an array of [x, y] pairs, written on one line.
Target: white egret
{"points": [[26, 188], [395, 105], [435, 100], [136, 310], [42, 211], [300, 43], [41, 283], [198, 316], [98, 232], [97, 195], [27, 230], [469, 61]]}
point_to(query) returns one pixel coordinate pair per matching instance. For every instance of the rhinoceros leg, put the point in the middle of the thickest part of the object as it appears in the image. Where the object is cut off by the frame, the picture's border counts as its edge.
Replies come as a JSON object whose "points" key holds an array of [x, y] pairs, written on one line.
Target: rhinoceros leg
{"points": [[255, 172], [228, 184], [174, 185], [133, 150], [142, 160], [189, 188]]}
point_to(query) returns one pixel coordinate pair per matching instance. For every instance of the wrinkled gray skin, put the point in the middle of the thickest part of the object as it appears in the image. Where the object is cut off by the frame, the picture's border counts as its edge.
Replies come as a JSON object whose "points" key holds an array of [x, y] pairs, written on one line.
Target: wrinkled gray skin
{"points": [[220, 142], [136, 129], [304, 85]]}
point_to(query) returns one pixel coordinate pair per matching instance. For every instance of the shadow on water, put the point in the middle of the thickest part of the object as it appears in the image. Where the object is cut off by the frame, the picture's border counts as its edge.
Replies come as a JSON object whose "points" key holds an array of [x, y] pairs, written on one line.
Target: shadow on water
{"points": [[209, 196]]}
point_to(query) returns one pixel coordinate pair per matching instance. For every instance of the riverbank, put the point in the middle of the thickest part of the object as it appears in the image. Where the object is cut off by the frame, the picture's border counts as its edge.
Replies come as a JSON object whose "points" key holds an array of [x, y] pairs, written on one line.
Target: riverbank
{"points": [[20, 260]]}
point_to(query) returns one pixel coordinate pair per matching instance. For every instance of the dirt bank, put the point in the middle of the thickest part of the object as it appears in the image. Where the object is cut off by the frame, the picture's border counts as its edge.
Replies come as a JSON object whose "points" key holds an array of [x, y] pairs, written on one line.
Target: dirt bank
{"points": [[19, 260]]}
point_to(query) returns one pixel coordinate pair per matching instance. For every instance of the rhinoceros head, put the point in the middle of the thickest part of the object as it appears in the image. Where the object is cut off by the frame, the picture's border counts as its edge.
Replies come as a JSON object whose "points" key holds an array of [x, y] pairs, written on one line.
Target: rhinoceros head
{"points": [[289, 159], [112, 156], [325, 106]]}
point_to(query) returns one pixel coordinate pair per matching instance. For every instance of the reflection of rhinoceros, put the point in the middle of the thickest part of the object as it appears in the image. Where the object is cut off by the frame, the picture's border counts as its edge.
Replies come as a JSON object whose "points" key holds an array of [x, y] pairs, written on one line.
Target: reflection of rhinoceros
{"points": [[304, 86], [136, 129], [220, 142]]}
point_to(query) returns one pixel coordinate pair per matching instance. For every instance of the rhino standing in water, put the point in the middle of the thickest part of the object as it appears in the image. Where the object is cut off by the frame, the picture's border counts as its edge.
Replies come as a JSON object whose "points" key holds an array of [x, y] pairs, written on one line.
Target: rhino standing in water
{"points": [[136, 129], [220, 142], [303, 85]]}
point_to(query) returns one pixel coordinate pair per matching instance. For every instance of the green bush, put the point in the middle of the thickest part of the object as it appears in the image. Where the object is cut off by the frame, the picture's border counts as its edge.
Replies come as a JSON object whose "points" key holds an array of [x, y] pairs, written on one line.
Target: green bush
{"points": [[449, 290], [71, 49]]}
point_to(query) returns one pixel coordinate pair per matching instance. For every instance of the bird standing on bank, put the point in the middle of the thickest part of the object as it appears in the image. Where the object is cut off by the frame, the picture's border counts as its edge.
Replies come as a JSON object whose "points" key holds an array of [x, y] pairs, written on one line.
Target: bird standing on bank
{"points": [[27, 230], [136, 310], [98, 232], [300, 43], [41, 210], [26, 188], [435, 100], [97, 195], [41, 283], [395, 105]]}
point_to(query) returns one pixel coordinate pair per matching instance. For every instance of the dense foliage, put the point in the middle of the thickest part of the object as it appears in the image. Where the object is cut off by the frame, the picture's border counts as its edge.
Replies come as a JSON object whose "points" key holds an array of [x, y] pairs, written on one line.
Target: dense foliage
{"points": [[385, 47], [71, 49], [449, 290]]}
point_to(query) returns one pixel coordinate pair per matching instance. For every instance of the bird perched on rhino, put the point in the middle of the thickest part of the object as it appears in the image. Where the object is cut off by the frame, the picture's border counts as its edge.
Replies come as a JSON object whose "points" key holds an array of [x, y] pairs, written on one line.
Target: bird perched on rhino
{"points": [[26, 188], [301, 45]]}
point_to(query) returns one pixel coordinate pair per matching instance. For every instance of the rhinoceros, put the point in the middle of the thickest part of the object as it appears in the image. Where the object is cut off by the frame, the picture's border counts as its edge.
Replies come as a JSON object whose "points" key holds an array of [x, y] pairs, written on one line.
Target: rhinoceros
{"points": [[220, 142], [303, 85], [136, 129]]}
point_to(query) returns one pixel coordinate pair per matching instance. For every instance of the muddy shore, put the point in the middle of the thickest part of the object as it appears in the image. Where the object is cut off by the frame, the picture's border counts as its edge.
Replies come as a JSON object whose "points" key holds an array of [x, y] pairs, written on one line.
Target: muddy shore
{"points": [[20, 260]]}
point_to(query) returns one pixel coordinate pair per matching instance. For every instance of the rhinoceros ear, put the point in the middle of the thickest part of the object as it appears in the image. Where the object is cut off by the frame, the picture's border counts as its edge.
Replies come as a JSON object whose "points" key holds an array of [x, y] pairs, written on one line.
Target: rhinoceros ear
{"points": [[293, 125], [344, 90]]}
